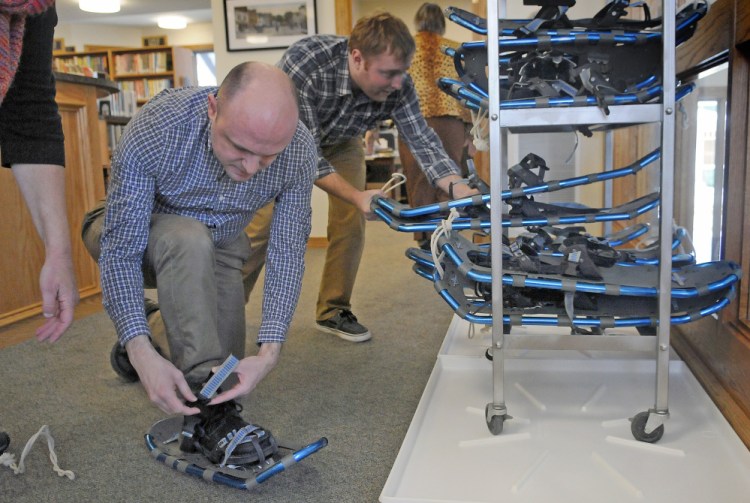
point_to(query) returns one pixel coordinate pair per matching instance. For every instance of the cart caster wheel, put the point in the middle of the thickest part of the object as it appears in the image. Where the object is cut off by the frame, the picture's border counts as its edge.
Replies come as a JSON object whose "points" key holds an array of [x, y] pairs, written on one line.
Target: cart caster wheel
{"points": [[638, 429], [495, 423], [488, 354]]}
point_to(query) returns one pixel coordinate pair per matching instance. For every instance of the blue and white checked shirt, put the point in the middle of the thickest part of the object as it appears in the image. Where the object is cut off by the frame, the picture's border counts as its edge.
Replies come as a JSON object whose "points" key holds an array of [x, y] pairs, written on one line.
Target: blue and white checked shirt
{"points": [[334, 112], [165, 164]]}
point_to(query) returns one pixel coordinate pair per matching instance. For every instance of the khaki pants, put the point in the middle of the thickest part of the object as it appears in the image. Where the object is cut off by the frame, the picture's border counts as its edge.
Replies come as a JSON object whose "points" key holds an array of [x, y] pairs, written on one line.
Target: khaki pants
{"points": [[199, 287], [346, 235]]}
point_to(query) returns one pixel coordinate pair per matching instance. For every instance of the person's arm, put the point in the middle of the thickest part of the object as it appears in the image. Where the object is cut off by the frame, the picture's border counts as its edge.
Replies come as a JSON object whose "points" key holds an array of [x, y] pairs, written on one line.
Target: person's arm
{"points": [[43, 189], [426, 146], [335, 185]]}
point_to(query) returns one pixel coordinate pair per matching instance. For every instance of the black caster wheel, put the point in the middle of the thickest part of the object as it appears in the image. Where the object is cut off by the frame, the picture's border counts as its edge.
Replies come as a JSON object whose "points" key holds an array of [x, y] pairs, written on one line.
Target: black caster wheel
{"points": [[638, 429], [494, 423]]}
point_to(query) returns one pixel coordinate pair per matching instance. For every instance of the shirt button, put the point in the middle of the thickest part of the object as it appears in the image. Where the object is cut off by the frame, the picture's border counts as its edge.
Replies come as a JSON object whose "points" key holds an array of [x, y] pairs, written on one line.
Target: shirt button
{"points": [[221, 198]]}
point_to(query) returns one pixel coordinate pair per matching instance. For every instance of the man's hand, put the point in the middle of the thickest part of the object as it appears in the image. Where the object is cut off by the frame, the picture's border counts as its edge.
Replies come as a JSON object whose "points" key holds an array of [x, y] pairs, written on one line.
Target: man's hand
{"points": [[363, 200], [460, 189], [251, 371], [164, 383], [59, 297]]}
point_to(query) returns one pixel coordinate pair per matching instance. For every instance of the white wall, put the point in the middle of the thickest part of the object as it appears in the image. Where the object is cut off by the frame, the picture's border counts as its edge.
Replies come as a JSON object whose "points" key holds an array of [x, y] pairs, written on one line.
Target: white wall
{"points": [[80, 35], [226, 60]]}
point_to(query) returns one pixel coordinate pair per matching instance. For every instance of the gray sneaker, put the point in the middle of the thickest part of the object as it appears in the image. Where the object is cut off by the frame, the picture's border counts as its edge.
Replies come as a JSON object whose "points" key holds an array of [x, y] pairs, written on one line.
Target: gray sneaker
{"points": [[344, 324]]}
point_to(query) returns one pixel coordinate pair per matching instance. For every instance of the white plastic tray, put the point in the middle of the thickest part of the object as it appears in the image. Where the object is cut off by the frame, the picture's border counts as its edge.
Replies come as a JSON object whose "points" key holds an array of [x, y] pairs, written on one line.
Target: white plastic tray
{"points": [[569, 439]]}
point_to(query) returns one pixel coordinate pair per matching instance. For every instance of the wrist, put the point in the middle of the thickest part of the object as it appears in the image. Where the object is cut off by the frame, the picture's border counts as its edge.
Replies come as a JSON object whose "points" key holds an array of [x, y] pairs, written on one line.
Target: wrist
{"points": [[270, 351]]}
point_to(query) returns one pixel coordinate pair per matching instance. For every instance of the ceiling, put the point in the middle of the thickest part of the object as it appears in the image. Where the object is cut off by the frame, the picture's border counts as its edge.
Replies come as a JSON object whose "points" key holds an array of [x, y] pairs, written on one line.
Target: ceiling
{"points": [[136, 12]]}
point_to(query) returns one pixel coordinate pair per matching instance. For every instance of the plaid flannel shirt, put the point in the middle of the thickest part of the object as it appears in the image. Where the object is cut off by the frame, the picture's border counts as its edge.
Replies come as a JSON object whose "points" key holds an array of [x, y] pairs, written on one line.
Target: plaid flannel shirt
{"points": [[334, 112]]}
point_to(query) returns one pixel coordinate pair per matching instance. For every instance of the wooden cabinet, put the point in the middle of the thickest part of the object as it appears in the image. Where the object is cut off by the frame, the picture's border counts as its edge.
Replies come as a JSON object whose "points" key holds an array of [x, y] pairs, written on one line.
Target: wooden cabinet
{"points": [[23, 252]]}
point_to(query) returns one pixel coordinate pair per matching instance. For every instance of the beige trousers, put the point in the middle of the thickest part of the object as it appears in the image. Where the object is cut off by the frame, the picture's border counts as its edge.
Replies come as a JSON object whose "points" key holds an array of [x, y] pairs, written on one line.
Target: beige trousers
{"points": [[199, 287], [345, 233]]}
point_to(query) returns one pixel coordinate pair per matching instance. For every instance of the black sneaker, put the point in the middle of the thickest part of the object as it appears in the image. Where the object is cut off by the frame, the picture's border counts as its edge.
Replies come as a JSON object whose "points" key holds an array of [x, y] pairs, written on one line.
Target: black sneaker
{"points": [[344, 324], [118, 357], [4, 441], [220, 434]]}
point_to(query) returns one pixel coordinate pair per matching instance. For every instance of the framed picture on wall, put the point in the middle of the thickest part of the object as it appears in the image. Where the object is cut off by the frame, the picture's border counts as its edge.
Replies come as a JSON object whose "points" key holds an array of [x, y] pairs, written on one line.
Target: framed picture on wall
{"points": [[267, 24], [154, 40]]}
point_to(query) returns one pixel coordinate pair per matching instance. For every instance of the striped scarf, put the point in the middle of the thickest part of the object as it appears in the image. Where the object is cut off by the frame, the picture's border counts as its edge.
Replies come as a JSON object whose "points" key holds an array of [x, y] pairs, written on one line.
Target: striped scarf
{"points": [[12, 21]]}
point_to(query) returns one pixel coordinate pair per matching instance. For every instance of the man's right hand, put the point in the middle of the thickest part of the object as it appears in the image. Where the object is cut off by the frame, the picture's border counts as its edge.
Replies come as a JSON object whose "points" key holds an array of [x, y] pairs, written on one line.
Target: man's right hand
{"points": [[364, 199], [164, 383]]}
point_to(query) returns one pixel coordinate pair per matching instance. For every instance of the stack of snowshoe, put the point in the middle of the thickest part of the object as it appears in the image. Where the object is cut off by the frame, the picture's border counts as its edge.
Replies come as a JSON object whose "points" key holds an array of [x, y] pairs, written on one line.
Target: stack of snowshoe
{"points": [[555, 61], [555, 273]]}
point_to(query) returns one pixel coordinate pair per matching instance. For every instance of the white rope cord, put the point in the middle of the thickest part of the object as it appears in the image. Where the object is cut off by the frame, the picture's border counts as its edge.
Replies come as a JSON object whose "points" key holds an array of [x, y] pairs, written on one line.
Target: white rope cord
{"points": [[8, 459], [443, 228], [396, 180], [479, 130], [473, 329]]}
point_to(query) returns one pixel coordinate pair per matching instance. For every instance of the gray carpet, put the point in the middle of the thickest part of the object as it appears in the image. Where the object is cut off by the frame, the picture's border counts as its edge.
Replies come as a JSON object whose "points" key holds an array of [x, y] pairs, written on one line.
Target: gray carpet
{"points": [[360, 396]]}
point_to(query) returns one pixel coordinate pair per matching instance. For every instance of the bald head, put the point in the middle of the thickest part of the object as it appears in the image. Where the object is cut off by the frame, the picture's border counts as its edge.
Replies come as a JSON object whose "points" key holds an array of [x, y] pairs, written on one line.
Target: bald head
{"points": [[262, 91], [254, 117]]}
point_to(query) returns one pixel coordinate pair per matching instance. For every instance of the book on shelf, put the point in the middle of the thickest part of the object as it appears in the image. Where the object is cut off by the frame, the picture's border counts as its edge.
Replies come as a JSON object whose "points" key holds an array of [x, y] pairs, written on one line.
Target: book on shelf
{"points": [[138, 63], [122, 104]]}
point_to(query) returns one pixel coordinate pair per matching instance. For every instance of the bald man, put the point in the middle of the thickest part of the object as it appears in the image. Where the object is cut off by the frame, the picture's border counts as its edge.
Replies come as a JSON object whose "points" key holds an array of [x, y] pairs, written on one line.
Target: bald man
{"points": [[189, 173]]}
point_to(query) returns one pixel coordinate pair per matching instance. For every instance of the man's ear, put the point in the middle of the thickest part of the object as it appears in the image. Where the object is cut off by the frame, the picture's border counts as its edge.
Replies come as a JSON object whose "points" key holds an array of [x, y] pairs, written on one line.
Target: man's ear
{"points": [[213, 106], [357, 58]]}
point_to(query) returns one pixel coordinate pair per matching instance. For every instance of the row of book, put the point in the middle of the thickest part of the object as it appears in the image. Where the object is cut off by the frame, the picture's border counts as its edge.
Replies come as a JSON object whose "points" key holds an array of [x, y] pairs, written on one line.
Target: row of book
{"points": [[145, 89], [150, 62], [78, 64]]}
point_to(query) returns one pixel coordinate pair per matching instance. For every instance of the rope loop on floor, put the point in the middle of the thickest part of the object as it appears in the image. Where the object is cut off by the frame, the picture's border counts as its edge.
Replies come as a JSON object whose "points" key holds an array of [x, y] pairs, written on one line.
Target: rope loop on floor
{"points": [[9, 460]]}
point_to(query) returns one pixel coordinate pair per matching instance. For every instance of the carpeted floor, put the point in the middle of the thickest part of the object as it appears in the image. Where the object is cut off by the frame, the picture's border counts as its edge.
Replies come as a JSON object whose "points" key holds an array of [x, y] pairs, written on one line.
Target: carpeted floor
{"points": [[360, 396]]}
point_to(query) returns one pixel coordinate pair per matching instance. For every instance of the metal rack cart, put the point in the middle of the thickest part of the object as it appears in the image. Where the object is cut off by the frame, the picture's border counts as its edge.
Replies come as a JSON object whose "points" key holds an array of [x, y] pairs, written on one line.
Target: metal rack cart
{"points": [[648, 425]]}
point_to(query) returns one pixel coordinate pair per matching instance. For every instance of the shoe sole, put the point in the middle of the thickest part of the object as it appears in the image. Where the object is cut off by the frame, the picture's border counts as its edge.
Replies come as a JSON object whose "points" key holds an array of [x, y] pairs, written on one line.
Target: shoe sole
{"points": [[345, 335]]}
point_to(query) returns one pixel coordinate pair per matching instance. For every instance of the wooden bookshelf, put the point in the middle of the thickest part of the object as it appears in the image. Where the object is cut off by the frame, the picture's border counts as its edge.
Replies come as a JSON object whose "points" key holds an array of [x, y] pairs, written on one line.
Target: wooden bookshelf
{"points": [[144, 70], [149, 70], [77, 62]]}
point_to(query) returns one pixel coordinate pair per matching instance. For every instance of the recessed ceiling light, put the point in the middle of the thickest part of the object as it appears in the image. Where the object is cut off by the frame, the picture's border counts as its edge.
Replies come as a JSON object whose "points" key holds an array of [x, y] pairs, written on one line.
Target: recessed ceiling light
{"points": [[99, 6], [172, 22]]}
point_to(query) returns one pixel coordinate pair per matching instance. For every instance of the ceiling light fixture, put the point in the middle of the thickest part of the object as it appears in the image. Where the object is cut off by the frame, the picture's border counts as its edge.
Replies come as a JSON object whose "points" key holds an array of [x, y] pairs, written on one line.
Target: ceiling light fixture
{"points": [[171, 22], [99, 6]]}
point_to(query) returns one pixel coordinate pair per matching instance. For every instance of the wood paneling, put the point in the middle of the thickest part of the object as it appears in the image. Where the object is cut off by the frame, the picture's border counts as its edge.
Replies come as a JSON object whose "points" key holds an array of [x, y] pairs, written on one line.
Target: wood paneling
{"points": [[343, 13], [22, 251], [742, 35], [712, 37], [718, 351]]}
